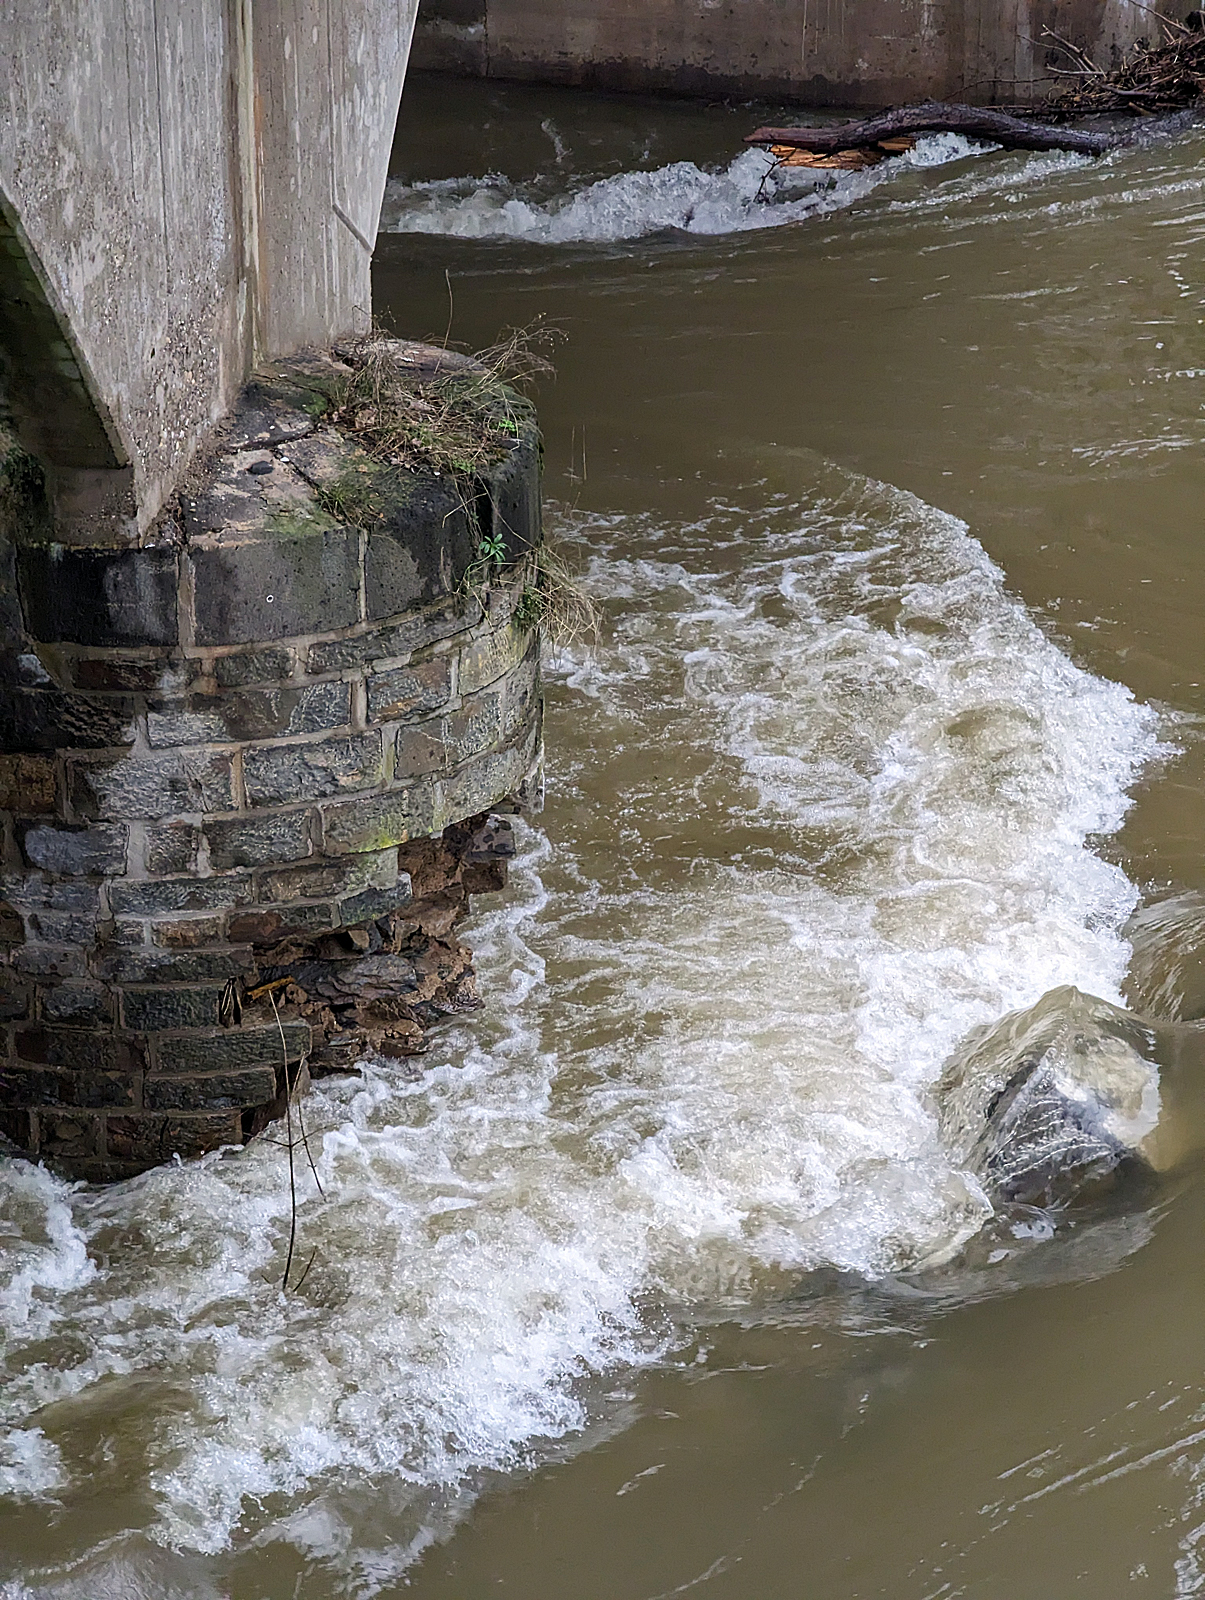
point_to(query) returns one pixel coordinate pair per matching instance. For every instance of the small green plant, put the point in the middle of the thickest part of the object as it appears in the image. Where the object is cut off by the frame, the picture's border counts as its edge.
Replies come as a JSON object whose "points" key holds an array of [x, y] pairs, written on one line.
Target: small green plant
{"points": [[486, 565], [492, 549], [529, 610]]}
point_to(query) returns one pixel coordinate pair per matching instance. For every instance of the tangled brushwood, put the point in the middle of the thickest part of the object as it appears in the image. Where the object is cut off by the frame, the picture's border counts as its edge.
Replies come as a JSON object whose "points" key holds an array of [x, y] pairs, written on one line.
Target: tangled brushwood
{"points": [[456, 415], [1152, 77]]}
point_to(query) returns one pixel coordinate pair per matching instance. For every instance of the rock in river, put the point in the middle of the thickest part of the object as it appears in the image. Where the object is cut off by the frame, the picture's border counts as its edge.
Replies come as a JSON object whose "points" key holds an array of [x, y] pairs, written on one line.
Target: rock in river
{"points": [[1049, 1100]]}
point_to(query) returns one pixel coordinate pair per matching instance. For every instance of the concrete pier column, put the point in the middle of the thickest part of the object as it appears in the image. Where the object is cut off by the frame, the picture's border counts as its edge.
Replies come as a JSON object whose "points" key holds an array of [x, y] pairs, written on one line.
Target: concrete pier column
{"points": [[186, 191]]}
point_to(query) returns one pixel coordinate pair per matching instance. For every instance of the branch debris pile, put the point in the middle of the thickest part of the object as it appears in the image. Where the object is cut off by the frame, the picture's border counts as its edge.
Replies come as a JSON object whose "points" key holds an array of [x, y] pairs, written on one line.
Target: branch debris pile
{"points": [[1151, 78]]}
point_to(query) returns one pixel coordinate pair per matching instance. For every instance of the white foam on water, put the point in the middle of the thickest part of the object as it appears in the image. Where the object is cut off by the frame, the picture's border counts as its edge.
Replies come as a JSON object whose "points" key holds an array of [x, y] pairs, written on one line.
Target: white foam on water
{"points": [[43, 1252], [740, 197], [822, 802], [747, 194], [30, 1466]]}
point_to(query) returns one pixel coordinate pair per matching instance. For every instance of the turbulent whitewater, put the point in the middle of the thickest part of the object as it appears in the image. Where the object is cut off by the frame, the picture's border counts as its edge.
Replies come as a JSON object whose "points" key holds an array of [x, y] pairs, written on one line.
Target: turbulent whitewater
{"points": [[748, 193], [822, 801]]}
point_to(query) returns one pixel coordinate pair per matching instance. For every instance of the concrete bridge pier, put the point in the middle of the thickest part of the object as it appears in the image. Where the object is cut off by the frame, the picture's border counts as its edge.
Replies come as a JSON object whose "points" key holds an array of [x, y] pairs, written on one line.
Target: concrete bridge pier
{"points": [[255, 731]]}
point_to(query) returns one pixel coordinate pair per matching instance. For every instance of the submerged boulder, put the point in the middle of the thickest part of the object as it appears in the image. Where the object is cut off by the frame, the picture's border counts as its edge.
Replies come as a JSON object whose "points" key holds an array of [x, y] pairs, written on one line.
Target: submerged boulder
{"points": [[1050, 1100]]}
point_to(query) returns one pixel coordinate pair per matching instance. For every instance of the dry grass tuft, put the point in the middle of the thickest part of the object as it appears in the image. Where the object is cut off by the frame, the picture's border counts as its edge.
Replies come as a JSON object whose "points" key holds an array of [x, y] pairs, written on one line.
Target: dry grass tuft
{"points": [[458, 415], [554, 600]]}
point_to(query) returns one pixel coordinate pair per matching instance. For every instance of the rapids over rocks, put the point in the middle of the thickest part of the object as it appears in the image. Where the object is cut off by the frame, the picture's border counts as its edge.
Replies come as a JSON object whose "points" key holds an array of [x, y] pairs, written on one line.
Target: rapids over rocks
{"points": [[838, 1088]]}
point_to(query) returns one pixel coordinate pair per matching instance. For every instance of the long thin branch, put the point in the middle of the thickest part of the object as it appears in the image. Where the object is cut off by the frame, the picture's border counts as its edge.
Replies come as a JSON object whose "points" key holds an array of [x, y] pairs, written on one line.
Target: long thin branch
{"points": [[292, 1174], [1074, 51]]}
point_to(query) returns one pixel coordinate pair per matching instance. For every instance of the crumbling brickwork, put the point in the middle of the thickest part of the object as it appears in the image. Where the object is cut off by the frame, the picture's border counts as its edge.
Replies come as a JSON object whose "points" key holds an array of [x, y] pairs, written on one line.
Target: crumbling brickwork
{"points": [[251, 763]]}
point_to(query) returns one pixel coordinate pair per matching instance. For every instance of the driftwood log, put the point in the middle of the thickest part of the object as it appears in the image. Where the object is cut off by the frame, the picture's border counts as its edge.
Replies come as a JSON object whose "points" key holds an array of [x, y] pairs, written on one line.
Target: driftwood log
{"points": [[975, 122]]}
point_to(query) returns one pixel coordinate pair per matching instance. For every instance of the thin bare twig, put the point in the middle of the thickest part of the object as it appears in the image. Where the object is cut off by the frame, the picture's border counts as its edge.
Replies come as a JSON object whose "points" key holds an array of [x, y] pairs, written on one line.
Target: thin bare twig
{"points": [[1168, 22], [292, 1175], [304, 1270], [328, 1127], [292, 1145], [451, 307], [1075, 52]]}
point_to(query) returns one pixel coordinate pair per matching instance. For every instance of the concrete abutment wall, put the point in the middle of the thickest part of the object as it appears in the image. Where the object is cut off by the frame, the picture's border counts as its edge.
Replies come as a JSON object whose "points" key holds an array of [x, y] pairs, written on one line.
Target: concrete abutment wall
{"points": [[820, 52]]}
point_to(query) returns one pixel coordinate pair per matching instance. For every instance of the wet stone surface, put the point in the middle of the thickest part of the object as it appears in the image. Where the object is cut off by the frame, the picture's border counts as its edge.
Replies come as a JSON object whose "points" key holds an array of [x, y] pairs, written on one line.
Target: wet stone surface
{"points": [[251, 763]]}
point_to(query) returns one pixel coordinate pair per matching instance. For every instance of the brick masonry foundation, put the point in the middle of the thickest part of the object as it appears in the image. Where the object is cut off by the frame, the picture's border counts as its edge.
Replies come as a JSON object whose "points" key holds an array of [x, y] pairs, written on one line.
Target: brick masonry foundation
{"points": [[248, 770]]}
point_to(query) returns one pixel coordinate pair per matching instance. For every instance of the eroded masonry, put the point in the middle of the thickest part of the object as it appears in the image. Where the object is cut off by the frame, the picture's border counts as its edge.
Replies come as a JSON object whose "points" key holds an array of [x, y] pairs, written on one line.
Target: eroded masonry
{"points": [[252, 770]]}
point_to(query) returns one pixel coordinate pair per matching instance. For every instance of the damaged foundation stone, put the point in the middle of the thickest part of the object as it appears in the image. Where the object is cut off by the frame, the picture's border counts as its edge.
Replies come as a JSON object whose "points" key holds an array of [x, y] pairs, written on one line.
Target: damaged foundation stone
{"points": [[251, 770]]}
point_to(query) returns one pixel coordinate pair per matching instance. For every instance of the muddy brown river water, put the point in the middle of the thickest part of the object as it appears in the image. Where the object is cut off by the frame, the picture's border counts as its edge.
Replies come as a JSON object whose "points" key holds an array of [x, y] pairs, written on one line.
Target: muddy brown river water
{"points": [[665, 1279]]}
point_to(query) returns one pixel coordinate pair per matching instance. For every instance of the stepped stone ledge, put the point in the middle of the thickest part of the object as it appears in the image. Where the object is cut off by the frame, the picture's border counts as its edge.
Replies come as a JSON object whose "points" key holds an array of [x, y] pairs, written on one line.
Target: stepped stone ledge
{"points": [[265, 756]]}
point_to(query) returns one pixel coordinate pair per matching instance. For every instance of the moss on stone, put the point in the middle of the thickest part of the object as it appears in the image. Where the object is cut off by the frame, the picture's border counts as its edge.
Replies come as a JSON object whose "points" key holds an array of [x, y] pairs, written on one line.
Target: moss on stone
{"points": [[366, 491], [311, 386], [299, 522]]}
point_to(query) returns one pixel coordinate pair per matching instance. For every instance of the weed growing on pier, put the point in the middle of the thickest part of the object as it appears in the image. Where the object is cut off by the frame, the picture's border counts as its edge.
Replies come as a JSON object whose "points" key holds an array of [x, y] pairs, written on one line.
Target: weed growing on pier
{"points": [[450, 413], [24, 506], [554, 599], [424, 409], [355, 496]]}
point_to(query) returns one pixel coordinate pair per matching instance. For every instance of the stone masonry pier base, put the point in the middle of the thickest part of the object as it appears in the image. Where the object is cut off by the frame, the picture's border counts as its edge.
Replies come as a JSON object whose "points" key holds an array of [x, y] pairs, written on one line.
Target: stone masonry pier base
{"points": [[250, 768]]}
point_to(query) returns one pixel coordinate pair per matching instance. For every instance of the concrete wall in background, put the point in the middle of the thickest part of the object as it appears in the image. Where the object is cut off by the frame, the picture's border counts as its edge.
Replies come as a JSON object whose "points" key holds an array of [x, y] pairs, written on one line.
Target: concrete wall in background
{"points": [[184, 190], [820, 52]]}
